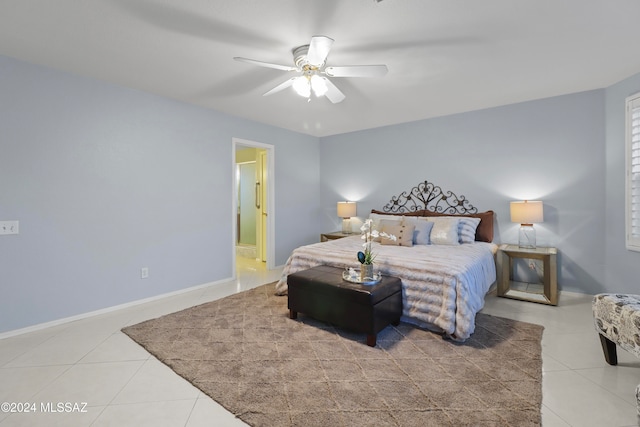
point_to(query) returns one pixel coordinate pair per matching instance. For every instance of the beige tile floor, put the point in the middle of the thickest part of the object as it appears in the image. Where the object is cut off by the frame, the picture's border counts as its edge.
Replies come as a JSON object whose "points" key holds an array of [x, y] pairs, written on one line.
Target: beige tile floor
{"points": [[91, 361]]}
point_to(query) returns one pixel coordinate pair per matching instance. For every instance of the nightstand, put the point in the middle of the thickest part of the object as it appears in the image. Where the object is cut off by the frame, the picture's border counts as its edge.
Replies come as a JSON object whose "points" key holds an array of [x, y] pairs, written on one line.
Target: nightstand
{"points": [[334, 235], [545, 291]]}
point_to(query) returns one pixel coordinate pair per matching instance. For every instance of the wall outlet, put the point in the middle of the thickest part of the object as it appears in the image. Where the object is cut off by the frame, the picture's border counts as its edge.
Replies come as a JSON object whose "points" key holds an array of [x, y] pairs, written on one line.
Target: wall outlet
{"points": [[144, 273], [9, 227]]}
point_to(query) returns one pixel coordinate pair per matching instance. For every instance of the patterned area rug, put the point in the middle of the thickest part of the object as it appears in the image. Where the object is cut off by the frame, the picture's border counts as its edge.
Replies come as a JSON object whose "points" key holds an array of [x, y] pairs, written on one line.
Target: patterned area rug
{"points": [[269, 370]]}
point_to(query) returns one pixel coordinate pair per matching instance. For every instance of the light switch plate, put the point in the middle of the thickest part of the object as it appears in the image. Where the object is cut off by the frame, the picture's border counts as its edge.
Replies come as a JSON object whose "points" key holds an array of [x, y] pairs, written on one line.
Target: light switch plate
{"points": [[9, 227]]}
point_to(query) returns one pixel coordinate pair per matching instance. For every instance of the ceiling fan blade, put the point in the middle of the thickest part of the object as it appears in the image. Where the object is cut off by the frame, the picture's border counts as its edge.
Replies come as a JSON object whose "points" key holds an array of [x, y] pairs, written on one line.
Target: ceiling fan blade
{"points": [[357, 71], [318, 50], [333, 93], [265, 64], [281, 86]]}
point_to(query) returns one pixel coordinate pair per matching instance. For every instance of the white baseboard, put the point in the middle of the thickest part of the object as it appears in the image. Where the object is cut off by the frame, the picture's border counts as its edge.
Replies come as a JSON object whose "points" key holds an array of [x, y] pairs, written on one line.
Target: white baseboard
{"points": [[111, 309]]}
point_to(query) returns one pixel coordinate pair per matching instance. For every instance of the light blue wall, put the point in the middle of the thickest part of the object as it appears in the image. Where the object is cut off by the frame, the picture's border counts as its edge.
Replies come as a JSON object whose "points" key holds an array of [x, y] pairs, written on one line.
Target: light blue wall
{"points": [[623, 266], [551, 149], [105, 180]]}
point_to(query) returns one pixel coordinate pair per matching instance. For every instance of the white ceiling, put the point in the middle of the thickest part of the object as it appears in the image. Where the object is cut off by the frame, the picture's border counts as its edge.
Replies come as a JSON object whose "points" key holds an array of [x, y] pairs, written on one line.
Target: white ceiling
{"points": [[444, 56]]}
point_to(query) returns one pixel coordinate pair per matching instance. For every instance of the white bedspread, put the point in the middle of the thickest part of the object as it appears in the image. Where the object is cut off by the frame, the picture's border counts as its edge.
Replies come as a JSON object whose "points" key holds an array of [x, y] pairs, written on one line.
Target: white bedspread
{"points": [[443, 286]]}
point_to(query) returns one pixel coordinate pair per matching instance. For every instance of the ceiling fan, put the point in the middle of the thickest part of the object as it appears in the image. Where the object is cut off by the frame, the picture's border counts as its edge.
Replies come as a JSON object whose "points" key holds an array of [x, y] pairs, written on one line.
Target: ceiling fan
{"points": [[310, 62]]}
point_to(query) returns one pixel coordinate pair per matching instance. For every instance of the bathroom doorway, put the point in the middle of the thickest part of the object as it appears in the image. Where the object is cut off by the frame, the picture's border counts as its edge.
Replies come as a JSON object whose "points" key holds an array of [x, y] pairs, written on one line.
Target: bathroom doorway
{"points": [[253, 209]]}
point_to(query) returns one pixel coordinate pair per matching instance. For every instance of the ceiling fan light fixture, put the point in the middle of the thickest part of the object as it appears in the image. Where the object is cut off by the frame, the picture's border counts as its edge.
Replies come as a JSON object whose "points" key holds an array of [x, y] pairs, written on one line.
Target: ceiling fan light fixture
{"points": [[318, 85], [302, 86], [310, 61]]}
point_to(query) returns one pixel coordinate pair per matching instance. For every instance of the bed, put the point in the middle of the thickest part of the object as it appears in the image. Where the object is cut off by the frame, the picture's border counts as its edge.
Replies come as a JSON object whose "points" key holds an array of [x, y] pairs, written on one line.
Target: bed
{"points": [[446, 271]]}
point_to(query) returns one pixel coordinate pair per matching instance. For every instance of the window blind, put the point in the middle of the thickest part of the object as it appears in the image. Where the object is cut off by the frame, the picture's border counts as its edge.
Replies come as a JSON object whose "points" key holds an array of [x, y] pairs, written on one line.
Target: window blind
{"points": [[633, 172]]}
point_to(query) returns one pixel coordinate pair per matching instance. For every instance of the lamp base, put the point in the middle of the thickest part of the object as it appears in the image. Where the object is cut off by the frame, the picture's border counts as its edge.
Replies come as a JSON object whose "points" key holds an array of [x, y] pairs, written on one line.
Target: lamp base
{"points": [[346, 225], [527, 236]]}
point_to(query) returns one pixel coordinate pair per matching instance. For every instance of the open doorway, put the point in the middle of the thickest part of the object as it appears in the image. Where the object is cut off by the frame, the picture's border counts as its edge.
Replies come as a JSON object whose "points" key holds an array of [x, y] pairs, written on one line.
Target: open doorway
{"points": [[253, 213], [248, 200]]}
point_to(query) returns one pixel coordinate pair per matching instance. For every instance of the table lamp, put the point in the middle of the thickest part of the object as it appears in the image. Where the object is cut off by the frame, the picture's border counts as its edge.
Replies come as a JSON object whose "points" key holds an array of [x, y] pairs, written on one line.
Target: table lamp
{"points": [[526, 213], [346, 210]]}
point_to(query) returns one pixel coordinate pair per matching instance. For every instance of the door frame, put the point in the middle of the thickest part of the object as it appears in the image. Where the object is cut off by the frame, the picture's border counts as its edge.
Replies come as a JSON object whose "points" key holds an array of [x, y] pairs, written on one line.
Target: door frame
{"points": [[261, 224], [270, 232]]}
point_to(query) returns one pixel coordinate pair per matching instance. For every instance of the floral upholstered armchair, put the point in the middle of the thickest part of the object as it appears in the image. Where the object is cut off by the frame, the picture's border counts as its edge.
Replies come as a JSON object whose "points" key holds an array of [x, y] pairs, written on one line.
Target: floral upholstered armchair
{"points": [[617, 320]]}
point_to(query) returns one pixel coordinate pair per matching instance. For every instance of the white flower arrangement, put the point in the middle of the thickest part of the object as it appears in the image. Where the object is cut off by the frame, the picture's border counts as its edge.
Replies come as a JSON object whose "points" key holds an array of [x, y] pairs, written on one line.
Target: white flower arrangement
{"points": [[367, 257]]}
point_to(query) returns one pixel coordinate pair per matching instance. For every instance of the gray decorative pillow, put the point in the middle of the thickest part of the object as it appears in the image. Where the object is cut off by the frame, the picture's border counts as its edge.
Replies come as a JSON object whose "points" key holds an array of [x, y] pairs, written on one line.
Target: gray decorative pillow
{"points": [[466, 227], [444, 231], [403, 234], [422, 229]]}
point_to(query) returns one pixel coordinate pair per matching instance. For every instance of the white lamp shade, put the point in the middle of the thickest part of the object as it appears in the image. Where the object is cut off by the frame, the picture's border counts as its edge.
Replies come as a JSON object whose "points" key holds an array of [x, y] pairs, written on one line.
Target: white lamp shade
{"points": [[526, 212], [302, 86], [318, 85], [346, 209]]}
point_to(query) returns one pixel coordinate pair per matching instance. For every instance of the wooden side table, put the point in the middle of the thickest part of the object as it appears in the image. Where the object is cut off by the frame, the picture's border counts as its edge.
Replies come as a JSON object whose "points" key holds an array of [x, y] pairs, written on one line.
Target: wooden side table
{"points": [[545, 292], [334, 235]]}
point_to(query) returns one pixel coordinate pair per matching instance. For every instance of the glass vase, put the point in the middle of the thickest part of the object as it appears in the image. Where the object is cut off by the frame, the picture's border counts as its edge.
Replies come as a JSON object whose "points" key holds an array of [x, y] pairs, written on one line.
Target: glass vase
{"points": [[366, 272]]}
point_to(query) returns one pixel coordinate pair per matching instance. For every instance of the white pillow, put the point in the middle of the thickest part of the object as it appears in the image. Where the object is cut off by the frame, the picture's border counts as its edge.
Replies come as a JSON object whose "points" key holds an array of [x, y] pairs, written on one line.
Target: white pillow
{"points": [[444, 231], [375, 218], [421, 231]]}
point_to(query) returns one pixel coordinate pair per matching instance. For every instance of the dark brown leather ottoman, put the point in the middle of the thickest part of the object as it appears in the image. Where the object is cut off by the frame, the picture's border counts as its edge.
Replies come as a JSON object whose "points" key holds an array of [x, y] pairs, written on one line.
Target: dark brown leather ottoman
{"points": [[321, 293]]}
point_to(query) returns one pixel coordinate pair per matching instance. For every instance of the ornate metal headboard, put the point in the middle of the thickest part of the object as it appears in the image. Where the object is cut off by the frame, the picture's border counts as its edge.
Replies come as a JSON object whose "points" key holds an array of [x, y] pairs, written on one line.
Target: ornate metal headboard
{"points": [[430, 197]]}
